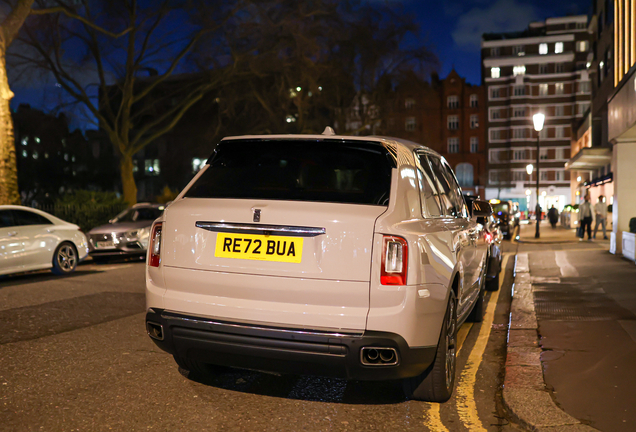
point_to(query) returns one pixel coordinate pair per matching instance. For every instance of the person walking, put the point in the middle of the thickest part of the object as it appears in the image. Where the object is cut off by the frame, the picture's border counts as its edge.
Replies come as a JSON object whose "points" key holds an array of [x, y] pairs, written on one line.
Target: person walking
{"points": [[585, 218], [553, 216], [600, 213]]}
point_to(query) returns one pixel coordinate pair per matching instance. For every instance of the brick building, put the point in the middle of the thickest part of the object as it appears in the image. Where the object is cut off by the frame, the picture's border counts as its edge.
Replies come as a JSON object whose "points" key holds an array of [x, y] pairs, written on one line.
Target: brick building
{"points": [[544, 68], [447, 115]]}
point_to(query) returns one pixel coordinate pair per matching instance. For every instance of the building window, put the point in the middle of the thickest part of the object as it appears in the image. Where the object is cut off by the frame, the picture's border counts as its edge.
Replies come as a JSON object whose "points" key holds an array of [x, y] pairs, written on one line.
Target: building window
{"points": [[520, 90], [543, 154], [543, 89], [582, 46], [494, 51], [452, 102], [464, 174], [410, 124], [151, 167], [543, 68], [543, 48], [453, 122], [519, 155], [494, 93], [544, 175], [519, 175], [474, 121], [544, 133], [474, 144], [558, 154], [519, 133], [493, 177], [559, 67], [558, 175], [558, 111], [584, 87], [559, 132], [518, 50], [495, 135], [519, 70], [474, 101], [558, 47], [495, 72], [558, 88], [409, 103], [495, 114], [453, 145], [519, 112], [582, 25], [582, 107]]}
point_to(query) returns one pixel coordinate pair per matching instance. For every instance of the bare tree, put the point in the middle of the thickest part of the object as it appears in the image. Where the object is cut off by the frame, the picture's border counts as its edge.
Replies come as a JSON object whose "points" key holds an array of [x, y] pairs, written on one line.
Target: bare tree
{"points": [[119, 60], [9, 193]]}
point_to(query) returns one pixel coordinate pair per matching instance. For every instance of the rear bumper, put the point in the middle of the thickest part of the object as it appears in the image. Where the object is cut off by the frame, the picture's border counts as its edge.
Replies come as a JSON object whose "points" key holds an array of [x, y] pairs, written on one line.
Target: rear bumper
{"points": [[285, 350]]}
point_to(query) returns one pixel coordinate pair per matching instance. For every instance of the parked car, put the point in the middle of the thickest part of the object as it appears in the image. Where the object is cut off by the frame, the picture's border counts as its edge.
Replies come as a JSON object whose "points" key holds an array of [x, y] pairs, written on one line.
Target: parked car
{"points": [[332, 255], [507, 213], [126, 234], [31, 239], [493, 237], [569, 217]]}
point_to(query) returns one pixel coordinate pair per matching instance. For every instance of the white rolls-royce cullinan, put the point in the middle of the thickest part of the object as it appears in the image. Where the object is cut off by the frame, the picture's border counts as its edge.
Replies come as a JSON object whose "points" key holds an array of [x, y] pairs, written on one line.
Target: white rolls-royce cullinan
{"points": [[332, 255]]}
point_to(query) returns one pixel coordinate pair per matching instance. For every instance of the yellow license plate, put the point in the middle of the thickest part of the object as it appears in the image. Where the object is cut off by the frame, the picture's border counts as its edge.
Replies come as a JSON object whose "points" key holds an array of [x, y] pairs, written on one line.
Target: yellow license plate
{"points": [[259, 247]]}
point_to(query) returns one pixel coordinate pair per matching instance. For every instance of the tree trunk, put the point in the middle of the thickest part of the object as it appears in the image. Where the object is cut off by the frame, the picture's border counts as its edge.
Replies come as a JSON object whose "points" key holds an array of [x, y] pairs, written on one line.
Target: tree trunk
{"points": [[9, 193], [128, 179]]}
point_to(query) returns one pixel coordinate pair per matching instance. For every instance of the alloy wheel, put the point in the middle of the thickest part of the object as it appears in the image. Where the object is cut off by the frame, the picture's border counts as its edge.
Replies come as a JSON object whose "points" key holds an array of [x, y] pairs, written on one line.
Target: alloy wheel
{"points": [[66, 258]]}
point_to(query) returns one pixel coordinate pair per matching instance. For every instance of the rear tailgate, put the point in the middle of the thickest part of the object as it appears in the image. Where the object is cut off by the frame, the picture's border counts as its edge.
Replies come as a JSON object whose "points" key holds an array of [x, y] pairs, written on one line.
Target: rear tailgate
{"points": [[304, 263]]}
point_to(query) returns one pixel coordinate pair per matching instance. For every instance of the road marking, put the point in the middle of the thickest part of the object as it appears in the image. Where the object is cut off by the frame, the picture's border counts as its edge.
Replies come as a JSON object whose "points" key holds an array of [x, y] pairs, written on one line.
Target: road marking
{"points": [[465, 400], [112, 267], [567, 269]]}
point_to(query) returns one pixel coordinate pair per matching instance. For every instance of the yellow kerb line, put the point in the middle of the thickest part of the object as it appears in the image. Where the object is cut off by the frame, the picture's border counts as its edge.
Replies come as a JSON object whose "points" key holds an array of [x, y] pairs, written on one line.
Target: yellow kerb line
{"points": [[465, 400], [432, 414]]}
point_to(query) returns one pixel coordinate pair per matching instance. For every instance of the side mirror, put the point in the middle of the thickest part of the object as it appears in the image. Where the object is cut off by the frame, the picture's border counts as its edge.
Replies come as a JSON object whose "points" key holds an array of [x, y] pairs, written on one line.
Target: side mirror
{"points": [[481, 208]]}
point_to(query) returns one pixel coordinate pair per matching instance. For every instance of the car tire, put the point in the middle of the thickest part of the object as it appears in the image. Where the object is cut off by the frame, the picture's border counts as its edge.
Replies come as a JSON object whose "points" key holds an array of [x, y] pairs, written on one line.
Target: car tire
{"points": [[65, 259], [493, 284], [437, 382]]}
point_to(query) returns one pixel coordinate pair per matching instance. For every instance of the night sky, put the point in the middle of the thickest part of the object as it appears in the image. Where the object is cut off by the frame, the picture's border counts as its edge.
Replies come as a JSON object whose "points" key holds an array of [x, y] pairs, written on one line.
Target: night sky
{"points": [[452, 28]]}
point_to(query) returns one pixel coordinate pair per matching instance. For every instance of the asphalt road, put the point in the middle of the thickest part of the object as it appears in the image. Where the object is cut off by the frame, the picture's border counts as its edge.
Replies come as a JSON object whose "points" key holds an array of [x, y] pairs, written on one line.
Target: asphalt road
{"points": [[74, 356]]}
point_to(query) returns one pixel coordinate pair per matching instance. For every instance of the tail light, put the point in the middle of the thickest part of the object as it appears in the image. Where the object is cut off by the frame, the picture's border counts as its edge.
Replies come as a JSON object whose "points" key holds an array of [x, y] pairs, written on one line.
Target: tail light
{"points": [[488, 237], [155, 245], [394, 261]]}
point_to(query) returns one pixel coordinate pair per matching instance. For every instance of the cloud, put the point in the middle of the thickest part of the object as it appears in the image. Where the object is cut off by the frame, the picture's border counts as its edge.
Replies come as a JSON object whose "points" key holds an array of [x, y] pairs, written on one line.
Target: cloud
{"points": [[501, 16]]}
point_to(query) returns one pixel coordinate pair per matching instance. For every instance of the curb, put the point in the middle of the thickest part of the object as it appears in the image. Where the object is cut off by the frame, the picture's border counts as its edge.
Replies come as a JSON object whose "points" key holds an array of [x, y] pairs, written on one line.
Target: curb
{"points": [[524, 393]]}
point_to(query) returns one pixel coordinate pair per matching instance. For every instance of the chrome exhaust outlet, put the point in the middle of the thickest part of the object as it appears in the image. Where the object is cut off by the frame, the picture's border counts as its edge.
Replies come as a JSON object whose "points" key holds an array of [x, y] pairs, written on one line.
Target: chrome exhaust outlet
{"points": [[378, 356], [387, 355], [155, 331]]}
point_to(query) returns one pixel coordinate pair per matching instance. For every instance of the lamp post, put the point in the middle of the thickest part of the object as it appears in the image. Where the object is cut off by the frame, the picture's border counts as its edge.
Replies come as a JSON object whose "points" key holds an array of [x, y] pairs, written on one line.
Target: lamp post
{"points": [[529, 169], [538, 120]]}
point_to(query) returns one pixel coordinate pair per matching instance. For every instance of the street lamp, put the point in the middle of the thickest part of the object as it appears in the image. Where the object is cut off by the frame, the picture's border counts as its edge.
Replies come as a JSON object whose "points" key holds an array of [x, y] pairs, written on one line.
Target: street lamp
{"points": [[538, 120], [529, 169]]}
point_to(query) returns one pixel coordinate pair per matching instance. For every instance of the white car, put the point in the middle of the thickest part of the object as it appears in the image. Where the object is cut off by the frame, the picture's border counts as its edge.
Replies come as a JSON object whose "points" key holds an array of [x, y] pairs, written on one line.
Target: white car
{"points": [[31, 239], [319, 254]]}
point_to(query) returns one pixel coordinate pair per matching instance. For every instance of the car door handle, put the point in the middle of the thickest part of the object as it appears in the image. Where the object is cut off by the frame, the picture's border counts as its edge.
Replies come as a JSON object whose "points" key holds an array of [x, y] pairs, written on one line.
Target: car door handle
{"points": [[12, 233]]}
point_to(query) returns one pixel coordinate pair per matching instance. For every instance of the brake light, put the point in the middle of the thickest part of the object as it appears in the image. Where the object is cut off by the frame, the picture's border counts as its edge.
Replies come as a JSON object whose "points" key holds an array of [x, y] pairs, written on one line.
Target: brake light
{"points": [[488, 237], [155, 245], [394, 261]]}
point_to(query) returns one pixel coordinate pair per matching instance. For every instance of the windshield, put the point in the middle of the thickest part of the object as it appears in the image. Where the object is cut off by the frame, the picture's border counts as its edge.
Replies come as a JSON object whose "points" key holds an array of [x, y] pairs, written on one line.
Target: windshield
{"points": [[501, 208], [138, 214], [293, 170]]}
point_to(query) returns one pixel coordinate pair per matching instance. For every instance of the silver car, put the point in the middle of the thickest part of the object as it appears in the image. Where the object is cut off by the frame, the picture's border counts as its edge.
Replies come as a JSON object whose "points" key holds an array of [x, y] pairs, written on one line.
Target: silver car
{"points": [[125, 235]]}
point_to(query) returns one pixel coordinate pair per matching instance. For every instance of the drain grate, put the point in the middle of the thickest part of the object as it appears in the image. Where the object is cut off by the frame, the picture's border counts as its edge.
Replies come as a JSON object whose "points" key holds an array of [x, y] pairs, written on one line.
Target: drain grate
{"points": [[566, 303]]}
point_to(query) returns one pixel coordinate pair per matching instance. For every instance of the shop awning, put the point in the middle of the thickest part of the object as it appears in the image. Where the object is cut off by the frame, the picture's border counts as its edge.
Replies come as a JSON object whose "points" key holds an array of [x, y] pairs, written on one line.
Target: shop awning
{"points": [[590, 158]]}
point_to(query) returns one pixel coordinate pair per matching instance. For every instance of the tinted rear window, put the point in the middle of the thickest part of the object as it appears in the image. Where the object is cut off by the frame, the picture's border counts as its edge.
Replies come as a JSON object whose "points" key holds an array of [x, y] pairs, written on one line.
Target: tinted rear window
{"points": [[501, 208], [323, 171]]}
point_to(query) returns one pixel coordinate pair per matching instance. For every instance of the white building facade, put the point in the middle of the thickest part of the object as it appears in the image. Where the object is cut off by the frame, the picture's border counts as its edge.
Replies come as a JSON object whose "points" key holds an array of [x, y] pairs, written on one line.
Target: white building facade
{"points": [[542, 69]]}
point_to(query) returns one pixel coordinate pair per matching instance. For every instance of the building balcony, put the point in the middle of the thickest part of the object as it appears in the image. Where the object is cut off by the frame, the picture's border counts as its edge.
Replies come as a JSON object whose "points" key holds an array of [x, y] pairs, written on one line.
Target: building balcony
{"points": [[589, 159]]}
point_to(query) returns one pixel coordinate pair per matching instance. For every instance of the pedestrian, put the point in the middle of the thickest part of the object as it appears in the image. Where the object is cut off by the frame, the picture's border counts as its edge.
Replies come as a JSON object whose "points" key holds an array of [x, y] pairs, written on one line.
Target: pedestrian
{"points": [[585, 218], [553, 216], [600, 213]]}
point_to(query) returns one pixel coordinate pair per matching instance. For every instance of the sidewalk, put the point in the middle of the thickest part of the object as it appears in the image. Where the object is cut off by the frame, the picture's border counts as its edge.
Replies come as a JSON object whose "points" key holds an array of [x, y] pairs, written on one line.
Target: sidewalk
{"points": [[572, 337], [548, 235]]}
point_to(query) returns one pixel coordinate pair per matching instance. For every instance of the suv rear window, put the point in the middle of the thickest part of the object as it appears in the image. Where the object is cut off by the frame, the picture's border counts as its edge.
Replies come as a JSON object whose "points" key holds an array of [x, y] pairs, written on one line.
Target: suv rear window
{"points": [[350, 172]]}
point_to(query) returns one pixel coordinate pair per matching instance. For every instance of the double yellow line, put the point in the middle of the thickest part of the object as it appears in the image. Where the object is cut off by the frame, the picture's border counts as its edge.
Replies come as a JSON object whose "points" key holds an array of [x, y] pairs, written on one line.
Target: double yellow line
{"points": [[465, 388]]}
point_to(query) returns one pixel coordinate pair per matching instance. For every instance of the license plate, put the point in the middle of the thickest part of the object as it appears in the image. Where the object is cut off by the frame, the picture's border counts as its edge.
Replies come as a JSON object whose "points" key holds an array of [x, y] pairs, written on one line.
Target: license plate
{"points": [[259, 247], [104, 244]]}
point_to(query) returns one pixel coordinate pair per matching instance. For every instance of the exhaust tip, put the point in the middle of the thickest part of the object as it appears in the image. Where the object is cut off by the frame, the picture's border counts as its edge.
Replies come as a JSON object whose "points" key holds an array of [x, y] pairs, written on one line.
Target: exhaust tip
{"points": [[155, 331], [378, 356]]}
